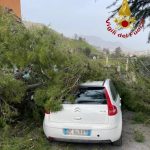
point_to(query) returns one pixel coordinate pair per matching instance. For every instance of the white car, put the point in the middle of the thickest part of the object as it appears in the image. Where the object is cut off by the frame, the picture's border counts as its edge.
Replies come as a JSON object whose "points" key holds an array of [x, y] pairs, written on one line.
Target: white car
{"points": [[95, 116]]}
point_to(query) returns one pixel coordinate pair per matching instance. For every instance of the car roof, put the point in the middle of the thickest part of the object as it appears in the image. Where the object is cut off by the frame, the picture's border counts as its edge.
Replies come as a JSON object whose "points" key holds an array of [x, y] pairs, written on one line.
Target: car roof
{"points": [[93, 84]]}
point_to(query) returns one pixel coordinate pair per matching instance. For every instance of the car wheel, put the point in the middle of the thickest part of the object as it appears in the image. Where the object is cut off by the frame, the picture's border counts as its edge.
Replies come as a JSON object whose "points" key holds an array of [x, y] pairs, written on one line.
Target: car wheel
{"points": [[50, 139], [118, 142]]}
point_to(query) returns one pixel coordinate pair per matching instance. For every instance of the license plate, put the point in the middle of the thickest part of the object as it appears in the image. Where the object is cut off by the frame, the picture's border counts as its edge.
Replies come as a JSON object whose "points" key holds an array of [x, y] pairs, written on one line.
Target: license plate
{"points": [[79, 132]]}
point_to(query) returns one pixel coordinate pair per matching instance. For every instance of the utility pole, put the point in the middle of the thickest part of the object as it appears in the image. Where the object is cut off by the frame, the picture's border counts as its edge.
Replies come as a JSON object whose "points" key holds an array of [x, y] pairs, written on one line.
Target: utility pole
{"points": [[107, 60], [127, 64]]}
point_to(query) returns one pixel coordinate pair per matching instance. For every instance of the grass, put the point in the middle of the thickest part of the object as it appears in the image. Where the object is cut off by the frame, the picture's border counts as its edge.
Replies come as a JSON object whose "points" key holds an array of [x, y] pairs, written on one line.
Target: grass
{"points": [[28, 136], [24, 139], [138, 136], [147, 122], [141, 118]]}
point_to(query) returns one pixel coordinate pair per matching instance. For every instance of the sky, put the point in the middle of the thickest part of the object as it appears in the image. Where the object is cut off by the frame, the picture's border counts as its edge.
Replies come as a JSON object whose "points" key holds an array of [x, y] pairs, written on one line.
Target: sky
{"points": [[82, 17]]}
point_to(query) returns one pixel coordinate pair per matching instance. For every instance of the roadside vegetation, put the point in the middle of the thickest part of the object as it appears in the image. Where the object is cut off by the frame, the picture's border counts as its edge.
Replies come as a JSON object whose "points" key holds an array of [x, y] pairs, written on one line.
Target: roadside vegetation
{"points": [[141, 118], [39, 68], [138, 136]]}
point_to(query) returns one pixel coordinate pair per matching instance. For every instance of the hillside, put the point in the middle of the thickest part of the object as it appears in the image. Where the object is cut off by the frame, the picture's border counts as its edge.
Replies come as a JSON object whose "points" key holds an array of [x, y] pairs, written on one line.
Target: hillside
{"points": [[100, 43]]}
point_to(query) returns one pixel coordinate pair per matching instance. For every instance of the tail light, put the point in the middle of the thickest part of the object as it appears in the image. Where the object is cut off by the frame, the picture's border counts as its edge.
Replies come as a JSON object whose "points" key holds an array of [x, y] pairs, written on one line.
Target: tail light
{"points": [[112, 110]]}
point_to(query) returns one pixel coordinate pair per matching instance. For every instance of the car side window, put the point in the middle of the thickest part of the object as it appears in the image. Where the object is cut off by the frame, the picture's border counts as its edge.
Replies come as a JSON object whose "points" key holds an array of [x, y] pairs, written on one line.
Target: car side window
{"points": [[113, 91]]}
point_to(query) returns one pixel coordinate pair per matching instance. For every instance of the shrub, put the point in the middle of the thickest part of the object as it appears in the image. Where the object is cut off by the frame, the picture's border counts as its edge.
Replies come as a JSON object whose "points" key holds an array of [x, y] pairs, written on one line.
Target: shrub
{"points": [[140, 117], [2, 122]]}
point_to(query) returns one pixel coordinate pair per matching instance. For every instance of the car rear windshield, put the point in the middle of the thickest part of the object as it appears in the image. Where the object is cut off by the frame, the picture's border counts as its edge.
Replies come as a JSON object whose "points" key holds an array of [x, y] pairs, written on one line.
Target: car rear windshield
{"points": [[91, 95]]}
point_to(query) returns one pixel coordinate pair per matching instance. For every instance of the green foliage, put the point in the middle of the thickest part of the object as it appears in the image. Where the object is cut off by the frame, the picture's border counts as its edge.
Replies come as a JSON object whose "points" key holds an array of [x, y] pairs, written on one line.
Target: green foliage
{"points": [[138, 136], [11, 93], [23, 136], [2, 122], [41, 97], [135, 96], [11, 90], [53, 105], [59, 64], [140, 118]]}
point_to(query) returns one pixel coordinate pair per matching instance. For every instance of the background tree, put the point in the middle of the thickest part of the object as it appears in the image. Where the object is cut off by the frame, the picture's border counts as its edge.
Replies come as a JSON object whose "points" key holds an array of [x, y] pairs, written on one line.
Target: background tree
{"points": [[106, 51], [87, 51], [117, 53]]}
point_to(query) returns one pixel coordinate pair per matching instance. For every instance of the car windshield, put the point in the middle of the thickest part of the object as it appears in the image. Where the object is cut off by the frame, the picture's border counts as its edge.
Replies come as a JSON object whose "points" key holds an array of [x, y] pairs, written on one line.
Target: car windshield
{"points": [[91, 95]]}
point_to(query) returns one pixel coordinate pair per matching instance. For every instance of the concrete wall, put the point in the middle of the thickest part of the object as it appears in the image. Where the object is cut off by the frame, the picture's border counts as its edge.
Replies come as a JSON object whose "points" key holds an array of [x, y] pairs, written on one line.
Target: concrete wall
{"points": [[15, 5]]}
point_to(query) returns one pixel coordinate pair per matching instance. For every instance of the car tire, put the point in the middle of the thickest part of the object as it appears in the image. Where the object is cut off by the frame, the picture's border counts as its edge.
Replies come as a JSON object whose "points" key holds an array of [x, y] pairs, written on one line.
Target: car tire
{"points": [[50, 139], [118, 142]]}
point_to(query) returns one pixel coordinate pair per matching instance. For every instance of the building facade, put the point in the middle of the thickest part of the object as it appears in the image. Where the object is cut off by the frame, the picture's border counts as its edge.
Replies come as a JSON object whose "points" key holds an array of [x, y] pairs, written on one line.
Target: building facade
{"points": [[13, 5]]}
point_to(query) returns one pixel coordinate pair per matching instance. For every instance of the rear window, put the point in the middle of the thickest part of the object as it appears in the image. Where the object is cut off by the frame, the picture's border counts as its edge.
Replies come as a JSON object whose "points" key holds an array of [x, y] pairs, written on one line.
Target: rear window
{"points": [[90, 95]]}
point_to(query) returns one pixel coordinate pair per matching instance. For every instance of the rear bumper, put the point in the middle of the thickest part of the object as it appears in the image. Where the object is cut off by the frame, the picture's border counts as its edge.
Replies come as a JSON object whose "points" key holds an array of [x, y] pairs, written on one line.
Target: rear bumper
{"points": [[78, 140], [99, 132]]}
